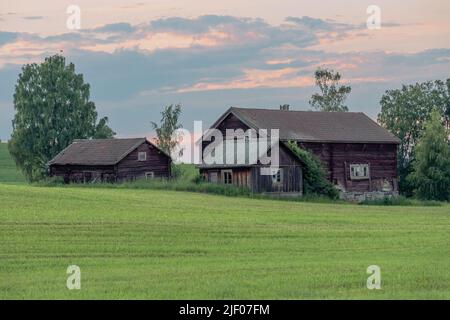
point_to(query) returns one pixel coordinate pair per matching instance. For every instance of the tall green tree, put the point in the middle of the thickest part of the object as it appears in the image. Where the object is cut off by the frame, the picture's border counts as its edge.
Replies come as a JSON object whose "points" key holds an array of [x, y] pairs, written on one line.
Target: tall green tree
{"points": [[404, 112], [332, 94], [431, 166], [52, 109], [166, 137]]}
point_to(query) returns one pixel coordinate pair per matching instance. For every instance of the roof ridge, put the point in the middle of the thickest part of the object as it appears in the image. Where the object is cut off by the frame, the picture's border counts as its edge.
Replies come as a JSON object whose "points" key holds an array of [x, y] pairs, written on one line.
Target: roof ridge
{"points": [[309, 111], [111, 139]]}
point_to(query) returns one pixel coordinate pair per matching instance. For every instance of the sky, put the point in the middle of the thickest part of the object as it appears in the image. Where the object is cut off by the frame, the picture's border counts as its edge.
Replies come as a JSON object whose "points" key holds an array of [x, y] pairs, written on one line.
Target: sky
{"points": [[139, 56]]}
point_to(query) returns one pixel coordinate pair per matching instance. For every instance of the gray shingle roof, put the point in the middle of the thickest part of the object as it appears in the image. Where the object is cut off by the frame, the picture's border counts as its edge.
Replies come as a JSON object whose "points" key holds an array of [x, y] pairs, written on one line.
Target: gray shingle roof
{"points": [[314, 126], [97, 152]]}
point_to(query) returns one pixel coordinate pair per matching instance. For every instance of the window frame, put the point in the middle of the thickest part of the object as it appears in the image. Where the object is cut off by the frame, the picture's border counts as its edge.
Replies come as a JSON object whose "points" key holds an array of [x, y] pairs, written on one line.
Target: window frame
{"points": [[365, 167], [150, 174], [140, 153], [224, 179]]}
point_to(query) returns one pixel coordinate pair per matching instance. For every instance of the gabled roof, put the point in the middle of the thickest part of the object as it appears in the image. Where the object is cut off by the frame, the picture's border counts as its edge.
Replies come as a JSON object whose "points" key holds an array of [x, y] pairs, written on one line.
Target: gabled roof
{"points": [[241, 154], [97, 151], [314, 126]]}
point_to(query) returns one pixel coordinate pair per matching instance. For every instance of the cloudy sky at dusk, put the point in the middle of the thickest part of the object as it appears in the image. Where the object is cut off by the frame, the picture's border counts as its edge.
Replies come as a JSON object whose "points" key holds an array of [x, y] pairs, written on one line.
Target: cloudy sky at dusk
{"points": [[209, 55]]}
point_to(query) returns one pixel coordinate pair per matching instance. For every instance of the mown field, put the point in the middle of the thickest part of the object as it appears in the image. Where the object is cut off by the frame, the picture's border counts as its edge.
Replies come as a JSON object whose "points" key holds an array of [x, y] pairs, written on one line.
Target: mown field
{"points": [[176, 245], [156, 244]]}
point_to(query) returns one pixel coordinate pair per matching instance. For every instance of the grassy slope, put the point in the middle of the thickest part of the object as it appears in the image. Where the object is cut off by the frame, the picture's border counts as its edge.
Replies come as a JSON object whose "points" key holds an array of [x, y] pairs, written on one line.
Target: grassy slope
{"points": [[8, 169], [162, 244]]}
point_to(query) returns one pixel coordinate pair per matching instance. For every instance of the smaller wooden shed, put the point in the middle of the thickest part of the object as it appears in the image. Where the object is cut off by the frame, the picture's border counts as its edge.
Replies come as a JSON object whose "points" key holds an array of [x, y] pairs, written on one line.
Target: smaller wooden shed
{"points": [[110, 160]]}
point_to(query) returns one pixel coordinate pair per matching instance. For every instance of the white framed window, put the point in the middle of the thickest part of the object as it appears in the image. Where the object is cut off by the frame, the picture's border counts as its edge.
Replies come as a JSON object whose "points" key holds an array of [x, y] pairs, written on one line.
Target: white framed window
{"points": [[142, 156], [359, 171], [227, 176], [277, 176], [149, 175]]}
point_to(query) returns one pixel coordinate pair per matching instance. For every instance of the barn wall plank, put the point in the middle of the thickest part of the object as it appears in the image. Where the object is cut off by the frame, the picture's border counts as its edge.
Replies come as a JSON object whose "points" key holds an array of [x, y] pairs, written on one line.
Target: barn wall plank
{"points": [[157, 162]]}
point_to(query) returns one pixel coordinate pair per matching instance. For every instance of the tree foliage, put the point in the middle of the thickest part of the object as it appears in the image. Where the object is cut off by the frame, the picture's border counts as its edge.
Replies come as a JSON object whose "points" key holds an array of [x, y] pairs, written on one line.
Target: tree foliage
{"points": [[333, 94], [167, 139], [404, 112], [52, 109], [102, 130], [314, 176], [431, 166]]}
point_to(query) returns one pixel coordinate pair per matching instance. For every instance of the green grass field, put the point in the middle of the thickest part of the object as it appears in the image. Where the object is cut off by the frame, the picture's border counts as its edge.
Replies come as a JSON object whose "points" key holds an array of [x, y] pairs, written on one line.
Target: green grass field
{"points": [[8, 170], [176, 245], [156, 244]]}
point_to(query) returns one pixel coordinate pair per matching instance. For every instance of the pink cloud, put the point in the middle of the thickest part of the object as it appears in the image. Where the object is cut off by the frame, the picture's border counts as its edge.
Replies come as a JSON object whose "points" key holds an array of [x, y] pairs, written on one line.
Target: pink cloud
{"points": [[254, 78], [280, 78]]}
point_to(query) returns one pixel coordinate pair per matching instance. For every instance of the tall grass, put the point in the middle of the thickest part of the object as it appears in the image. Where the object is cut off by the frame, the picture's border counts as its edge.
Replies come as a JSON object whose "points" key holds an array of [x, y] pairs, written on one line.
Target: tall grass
{"points": [[187, 179], [181, 185]]}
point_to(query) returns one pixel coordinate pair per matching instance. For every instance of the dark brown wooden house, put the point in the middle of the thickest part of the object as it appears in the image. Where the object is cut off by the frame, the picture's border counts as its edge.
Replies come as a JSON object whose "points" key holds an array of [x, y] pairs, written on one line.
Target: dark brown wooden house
{"points": [[359, 156], [285, 178], [110, 160]]}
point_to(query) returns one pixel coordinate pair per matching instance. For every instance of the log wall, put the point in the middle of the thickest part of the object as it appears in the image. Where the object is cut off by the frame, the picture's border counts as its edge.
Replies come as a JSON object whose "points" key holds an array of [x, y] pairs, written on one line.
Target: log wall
{"points": [[157, 162], [337, 158]]}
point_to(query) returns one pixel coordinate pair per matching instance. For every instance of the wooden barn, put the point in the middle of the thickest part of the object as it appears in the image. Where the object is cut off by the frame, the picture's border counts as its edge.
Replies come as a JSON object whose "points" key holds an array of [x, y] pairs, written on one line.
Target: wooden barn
{"points": [[359, 156], [110, 160], [286, 178]]}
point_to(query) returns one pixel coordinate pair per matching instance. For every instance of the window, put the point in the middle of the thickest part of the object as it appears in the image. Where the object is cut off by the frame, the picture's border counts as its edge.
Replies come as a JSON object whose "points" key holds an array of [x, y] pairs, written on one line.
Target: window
{"points": [[149, 175], [359, 171], [213, 177], [277, 176], [227, 176], [142, 156]]}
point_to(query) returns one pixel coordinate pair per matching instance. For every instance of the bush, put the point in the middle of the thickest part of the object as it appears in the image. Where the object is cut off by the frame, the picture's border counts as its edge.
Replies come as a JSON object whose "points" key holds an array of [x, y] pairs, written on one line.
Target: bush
{"points": [[400, 201], [50, 182], [175, 171], [314, 177], [184, 171]]}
